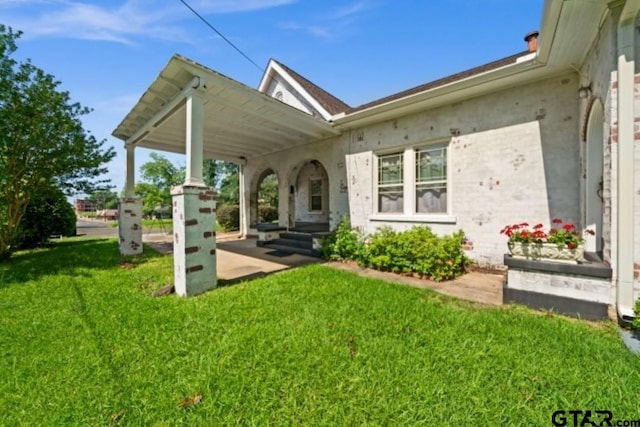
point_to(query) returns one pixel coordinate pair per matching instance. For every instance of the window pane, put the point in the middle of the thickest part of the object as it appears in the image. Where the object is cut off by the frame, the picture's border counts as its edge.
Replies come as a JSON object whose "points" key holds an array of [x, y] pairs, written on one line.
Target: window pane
{"points": [[390, 170], [431, 164], [431, 180], [316, 203], [391, 199], [316, 187], [315, 195], [431, 199]]}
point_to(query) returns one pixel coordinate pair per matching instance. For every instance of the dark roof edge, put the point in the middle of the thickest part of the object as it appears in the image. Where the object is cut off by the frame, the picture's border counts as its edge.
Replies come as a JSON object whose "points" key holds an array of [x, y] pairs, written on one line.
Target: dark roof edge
{"points": [[442, 81], [328, 101]]}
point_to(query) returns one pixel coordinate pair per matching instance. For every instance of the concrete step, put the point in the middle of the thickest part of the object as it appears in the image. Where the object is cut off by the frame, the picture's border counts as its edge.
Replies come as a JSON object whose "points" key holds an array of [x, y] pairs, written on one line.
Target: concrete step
{"points": [[303, 237], [293, 250], [295, 243]]}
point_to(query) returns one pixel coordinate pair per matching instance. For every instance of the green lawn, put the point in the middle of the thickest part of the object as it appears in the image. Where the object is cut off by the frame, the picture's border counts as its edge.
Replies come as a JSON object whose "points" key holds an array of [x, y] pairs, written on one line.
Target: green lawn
{"points": [[83, 342], [166, 224]]}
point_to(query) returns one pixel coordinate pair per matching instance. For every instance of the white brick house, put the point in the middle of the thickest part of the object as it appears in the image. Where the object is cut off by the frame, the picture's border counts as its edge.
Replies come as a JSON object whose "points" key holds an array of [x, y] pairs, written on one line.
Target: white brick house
{"points": [[549, 132]]}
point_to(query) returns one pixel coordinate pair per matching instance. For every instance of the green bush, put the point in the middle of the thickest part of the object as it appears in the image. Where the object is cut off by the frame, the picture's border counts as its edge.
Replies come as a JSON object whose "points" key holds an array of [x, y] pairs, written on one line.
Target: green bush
{"points": [[47, 214], [636, 321], [418, 250], [228, 217], [345, 244], [267, 213]]}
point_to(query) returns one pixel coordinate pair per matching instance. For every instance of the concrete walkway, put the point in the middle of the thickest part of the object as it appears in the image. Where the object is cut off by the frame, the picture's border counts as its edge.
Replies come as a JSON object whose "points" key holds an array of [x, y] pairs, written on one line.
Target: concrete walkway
{"points": [[241, 259], [238, 259]]}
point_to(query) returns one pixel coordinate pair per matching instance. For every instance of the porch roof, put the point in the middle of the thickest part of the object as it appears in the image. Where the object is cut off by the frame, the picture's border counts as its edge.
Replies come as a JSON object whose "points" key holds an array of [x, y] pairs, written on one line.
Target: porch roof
{"points": [[238, 122]]}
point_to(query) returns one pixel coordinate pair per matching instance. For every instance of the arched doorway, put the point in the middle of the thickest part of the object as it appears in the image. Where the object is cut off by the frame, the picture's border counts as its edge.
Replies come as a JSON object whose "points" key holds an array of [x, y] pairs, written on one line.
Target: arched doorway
{"points": [[309, 197], [263, 206], [594, 177]]}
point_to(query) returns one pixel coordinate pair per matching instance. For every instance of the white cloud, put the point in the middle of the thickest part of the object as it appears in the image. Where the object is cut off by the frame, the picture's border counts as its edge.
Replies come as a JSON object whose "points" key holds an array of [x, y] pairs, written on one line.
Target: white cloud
{"points": [[353, 9], [332, 25], [314, 30], [234, 6], [121, 24]]}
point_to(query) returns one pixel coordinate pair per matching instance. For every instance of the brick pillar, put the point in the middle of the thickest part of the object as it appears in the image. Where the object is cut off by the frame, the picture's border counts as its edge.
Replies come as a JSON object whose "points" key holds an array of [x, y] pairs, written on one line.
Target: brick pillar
{"points": [[194, 239], [130, 225]]}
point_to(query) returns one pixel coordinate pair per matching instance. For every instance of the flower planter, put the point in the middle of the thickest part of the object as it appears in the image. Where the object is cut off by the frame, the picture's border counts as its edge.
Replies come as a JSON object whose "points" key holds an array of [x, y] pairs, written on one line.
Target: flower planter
{"points": [[546, 252]]}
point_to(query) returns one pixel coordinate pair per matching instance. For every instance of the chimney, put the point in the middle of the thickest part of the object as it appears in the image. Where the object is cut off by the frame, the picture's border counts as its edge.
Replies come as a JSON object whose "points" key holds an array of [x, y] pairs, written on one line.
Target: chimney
{"points": [[532, 40]]}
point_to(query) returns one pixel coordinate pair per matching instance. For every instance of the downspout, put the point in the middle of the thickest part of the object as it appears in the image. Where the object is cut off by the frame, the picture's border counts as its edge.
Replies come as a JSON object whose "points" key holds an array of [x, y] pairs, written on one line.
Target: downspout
{"points": [[625, 173]]}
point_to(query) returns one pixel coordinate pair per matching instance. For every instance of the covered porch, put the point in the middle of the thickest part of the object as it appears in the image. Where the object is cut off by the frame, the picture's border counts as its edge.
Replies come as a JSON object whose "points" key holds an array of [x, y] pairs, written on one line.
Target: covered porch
{"points": [[193, 110]]}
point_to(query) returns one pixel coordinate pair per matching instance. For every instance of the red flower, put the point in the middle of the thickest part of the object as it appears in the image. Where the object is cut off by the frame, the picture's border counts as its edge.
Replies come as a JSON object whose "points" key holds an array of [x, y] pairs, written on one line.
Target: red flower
{"points": [[539, 234], [572, 245], [524, 224], [524, 233], [590, 231], [538, 226], [568, 227], [556, 221]]}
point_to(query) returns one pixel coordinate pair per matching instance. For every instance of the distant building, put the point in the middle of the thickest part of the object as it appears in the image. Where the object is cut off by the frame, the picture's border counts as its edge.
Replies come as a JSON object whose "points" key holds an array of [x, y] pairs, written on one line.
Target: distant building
{"points": [[107, 214], [83, 205]]}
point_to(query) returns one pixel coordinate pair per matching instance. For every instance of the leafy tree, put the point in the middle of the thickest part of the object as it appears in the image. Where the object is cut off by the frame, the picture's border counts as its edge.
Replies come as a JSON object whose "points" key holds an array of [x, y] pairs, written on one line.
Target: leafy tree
{"points": [[104, 199], [160, 175], [42, 141], [48, 213], [152, 197], [268, 191], [229, 191]]}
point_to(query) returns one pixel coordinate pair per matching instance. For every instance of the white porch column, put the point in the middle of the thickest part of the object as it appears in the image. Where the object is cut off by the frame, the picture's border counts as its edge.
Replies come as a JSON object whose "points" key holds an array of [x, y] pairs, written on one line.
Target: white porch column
{"points": [[626, 150], [194, 239], [194, 214], [130, 212], [194, 139], [243, 202]]}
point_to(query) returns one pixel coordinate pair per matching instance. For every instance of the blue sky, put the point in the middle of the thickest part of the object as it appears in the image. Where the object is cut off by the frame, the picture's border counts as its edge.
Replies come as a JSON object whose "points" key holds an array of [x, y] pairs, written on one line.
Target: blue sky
{"points": [[106, 53]]}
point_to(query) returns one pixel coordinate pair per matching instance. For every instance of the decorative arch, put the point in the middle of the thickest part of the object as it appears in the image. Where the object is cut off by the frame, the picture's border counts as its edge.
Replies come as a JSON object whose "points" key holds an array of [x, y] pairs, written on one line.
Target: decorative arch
{"points": [[256, 181], [309, 200], [594, 174]]}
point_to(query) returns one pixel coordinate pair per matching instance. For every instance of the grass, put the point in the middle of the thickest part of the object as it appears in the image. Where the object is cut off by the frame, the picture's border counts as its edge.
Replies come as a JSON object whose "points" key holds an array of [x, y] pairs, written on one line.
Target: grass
{"points": [[166, 224], [82, 342]]}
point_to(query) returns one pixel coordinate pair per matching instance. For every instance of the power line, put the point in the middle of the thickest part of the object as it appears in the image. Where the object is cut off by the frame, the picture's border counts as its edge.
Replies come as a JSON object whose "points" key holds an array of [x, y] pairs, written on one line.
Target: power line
{"points": [[222, 35]]}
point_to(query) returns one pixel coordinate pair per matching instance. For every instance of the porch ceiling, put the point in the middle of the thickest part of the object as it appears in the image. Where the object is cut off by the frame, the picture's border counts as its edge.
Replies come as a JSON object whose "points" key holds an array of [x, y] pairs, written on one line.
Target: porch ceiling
{"points": [[239, 122]]}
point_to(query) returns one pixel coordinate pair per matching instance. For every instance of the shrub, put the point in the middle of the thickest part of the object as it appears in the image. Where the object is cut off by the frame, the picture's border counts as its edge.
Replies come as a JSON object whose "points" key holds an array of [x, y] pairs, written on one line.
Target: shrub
{"points": [[228, 217], [418, 250], [636, 321], [345, 244], [47, 214], [267, 213]]}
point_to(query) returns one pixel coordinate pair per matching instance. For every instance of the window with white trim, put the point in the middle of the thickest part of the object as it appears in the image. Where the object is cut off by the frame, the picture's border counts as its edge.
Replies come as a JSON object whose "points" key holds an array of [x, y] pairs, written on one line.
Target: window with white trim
{"points": [[431, 179], [315, 195], [412, 184], [391, 183]]}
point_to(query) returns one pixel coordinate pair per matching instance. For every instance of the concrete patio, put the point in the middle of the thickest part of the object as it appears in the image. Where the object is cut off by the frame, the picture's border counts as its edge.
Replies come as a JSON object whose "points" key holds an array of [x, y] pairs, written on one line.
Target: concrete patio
{"points": [[241, 259]]}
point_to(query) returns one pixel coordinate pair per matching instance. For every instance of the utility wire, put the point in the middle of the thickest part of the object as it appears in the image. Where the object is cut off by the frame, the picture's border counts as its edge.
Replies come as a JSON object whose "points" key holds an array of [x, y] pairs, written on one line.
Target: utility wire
{"points": [[222, 35]]}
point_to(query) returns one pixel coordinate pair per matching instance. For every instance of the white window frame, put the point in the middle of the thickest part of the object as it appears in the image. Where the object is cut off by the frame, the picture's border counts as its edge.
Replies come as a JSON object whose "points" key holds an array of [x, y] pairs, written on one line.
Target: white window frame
{"points": [[311, 195], [409, 213], [377, 179]]}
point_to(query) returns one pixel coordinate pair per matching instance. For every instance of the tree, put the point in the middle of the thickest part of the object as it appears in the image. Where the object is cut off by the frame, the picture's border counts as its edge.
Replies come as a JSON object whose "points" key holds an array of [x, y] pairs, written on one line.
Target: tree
{"points": [[48, 213], [229, 191], [268, 191], [42, 141], [104, 199], [160, 175]]}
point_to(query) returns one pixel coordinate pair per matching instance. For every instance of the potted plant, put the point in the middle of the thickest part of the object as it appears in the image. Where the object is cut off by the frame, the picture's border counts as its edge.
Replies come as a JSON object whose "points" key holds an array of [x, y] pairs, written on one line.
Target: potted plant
{"points": [[560, 243]]}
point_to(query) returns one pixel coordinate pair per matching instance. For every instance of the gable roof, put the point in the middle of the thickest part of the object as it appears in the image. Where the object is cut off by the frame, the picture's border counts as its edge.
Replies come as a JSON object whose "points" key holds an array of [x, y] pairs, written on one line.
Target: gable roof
{"points": [[329, 102]]}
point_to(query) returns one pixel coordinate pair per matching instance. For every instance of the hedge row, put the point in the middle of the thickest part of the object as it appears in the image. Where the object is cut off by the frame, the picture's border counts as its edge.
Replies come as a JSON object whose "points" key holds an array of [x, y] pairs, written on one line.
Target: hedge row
{"points": [[418, 251]]}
